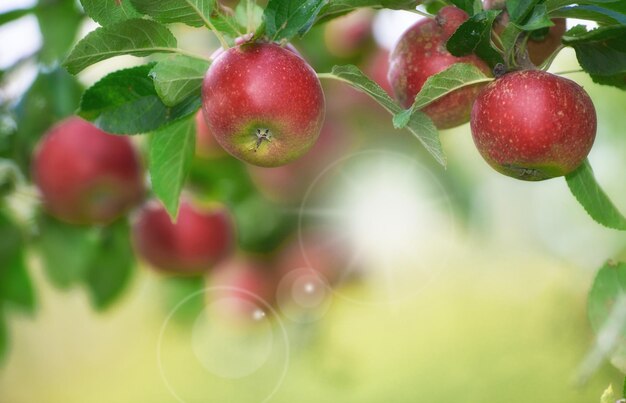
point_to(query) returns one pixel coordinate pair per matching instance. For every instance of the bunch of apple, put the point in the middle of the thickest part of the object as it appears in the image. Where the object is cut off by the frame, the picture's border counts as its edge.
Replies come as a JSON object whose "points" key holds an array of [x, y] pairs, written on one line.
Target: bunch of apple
{"points": [[528, 124]]}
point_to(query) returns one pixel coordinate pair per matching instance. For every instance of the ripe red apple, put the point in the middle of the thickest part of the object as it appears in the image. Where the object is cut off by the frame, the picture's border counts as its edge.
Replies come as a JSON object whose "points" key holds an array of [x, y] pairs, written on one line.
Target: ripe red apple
{"points": [[243, 286], [206, 145], [377, 67], [348, 35], [533, 125], [87, 176], [420, 53], [263, 103], [200, 237], [289, 183]]}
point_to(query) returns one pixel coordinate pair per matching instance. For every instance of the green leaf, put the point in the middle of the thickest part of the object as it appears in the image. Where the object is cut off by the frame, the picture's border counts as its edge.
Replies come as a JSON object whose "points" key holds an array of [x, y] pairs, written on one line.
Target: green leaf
{"points": [[474, 36], [608, 286], [15, 285], [419, 124], [126, 102], [457, 76], [107, 12], [285, 19], [469, 6], [552, 5], [519, 10], [537, 20], [248, 14], [590, 195], [111, 265], [171, 152], [137, 37], [178, 78], [57, 38], [177, 289], [14, 15], [601, 51], [65, 251], [190, 12], [603, 15]]}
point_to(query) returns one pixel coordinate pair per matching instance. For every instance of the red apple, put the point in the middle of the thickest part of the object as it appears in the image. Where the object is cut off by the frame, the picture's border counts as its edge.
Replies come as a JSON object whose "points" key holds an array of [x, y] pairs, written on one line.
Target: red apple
{"points": [[206, 145], [347, 35], [377, 68], [200, 237], [421, 53], [533, 125], [263, 103], [243, 286], [87, 176]]}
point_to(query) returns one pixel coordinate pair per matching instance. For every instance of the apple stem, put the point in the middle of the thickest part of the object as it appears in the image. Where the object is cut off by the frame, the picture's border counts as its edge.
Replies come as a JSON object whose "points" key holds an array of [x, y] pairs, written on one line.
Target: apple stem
{"points": [[187, 53], [212, 28], [560, 73]]}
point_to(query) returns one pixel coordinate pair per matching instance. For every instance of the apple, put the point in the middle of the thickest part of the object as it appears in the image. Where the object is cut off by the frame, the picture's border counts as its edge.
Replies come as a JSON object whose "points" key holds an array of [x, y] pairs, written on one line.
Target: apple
{"points": [[244, 286], [263, 103], [290, 182], [533, 125], [201, 236], [319, 252], [420, 53], [206, 145], [347, 35], [377, 67], [86, 176]]}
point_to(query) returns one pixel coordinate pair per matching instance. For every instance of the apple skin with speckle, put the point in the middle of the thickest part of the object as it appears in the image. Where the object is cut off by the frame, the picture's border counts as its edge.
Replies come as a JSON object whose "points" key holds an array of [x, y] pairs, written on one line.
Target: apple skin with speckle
{"points": [[263, 103], [85, 175], [533, 125], [420, 53], [201, 236]]}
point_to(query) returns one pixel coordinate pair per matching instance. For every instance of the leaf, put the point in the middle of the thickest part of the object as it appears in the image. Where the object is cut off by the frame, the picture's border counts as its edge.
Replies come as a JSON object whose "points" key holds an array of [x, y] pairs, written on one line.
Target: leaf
{"points": [[474, 36], [126, 102], [519, 10], [552, 5], [608, 286], [537, 20], [178, 78], [190, 12], [65, 250], [248, 14], [57, 38], [107, 12], [111, 265], [601, 51], [600, 14], [469, 6], [15, 285], [285, 19], [137, 37], [437, 86], [14, 15], [419, 125], [590, 195], [171, 151]]}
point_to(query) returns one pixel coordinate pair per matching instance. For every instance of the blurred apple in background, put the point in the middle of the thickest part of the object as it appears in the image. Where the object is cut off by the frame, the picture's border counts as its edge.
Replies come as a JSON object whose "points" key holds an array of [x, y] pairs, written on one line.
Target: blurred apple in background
{"points": [[87, 176], [242, 288], [201, 236]]}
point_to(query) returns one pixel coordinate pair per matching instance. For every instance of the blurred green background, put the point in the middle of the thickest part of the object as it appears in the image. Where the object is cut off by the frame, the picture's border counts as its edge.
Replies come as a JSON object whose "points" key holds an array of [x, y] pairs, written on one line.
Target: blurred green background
{"points": [[498, 313]]}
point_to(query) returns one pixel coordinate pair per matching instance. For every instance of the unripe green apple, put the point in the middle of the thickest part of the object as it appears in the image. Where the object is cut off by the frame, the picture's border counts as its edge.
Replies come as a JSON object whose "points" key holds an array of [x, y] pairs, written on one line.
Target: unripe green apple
{"points": [[533, 125], [86, 176], [263, 103], [421, 53], [201, 236]]}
